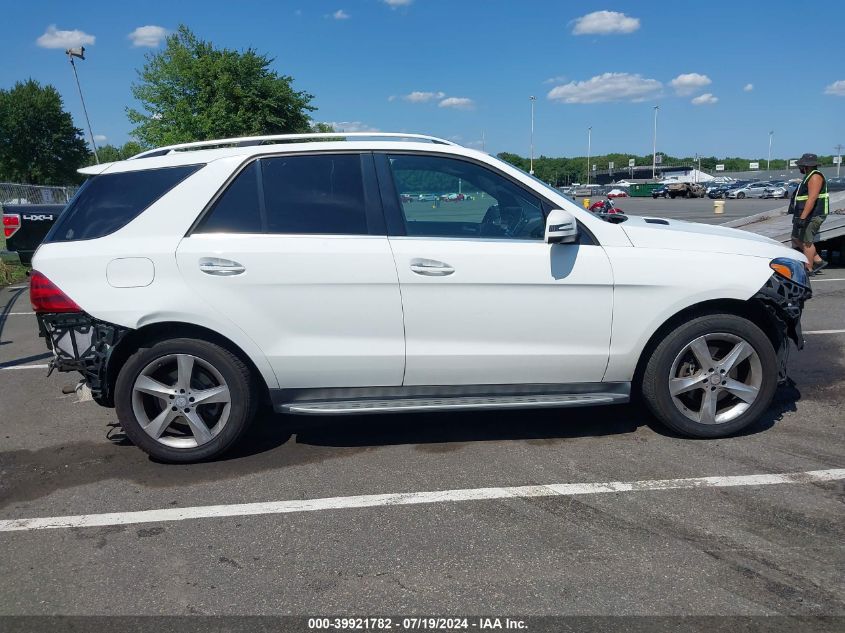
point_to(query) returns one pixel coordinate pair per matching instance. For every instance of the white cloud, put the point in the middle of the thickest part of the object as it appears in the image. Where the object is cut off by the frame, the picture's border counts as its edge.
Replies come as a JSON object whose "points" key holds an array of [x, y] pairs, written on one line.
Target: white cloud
{"points": [[459, 103], [605, 23], [705, 99], [100, 138], [836, 88], [340, 14], [397, 3], [53, 38], [557, 79], [689, 83], [149, 36], [748, 87], [351, 126], [418, 96], [607, 87]]}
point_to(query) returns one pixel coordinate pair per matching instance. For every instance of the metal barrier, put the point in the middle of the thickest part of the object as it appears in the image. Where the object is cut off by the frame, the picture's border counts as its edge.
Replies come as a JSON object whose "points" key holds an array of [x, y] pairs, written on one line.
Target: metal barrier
{"points": [[14, 193]]}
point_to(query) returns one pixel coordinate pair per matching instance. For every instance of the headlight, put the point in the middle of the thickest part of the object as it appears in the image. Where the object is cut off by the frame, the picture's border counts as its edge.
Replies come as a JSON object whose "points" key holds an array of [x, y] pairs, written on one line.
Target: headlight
{"points": [[791, 269]]}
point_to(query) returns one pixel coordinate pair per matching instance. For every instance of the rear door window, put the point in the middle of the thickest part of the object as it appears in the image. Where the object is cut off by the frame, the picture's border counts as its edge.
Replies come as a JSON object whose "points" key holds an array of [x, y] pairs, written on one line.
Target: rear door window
{"points": [[108, 202], [239, 208], [314, 194]]}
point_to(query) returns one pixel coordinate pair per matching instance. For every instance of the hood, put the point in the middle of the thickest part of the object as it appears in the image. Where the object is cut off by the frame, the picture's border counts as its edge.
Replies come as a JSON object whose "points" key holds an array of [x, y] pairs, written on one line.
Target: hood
{"points": [[678, 235]]}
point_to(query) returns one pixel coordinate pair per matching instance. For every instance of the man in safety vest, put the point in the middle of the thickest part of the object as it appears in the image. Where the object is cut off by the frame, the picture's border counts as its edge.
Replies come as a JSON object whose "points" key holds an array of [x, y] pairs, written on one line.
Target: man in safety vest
{"points": [[809, 206]]}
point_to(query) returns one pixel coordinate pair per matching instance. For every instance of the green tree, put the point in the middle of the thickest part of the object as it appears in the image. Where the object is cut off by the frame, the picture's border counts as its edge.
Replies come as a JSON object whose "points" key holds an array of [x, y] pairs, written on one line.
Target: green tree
{"points": [[38, 141], [110, 153], [192, 91]]}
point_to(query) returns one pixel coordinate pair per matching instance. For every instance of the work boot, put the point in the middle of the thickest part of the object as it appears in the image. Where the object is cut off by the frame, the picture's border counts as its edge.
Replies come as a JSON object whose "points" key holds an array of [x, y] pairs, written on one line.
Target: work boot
{"points": [[817, 267]]}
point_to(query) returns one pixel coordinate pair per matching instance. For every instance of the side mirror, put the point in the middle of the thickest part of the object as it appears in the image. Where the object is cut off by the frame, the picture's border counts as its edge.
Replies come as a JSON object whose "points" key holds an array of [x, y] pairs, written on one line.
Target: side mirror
{"points": [[561, 227]]}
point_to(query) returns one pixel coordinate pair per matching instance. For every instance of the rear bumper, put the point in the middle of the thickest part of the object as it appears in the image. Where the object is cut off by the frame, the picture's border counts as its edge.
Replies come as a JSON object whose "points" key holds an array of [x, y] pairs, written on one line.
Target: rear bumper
{"points": [[80, 342]]}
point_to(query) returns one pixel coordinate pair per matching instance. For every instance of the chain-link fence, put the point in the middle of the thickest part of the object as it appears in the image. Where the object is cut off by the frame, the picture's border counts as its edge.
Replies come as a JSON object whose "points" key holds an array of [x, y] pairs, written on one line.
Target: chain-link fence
{"points": [[12, 193]]}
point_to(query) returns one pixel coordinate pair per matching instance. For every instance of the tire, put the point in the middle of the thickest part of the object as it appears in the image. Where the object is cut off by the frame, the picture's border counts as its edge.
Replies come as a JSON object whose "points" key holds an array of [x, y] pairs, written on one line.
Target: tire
{"points": [[740, 195], [673, 365], [152, 379]]}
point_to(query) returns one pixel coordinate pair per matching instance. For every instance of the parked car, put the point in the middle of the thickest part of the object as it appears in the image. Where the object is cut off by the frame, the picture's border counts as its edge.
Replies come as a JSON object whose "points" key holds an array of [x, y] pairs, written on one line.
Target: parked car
{"points": [[617, 193], [719, 191], [193, 285], [836, 184], [25, 225], [660, 192], [685, 190], [751, 190]]}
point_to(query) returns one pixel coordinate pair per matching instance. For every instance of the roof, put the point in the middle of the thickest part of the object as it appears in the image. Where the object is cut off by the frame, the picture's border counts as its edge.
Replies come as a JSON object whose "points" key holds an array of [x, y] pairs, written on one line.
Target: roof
{"points": [[207, 151]]}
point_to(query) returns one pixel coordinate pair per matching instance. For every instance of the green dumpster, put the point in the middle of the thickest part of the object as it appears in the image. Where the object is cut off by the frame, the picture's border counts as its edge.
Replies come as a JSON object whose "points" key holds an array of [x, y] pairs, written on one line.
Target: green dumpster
{"points": [[643, 190]]}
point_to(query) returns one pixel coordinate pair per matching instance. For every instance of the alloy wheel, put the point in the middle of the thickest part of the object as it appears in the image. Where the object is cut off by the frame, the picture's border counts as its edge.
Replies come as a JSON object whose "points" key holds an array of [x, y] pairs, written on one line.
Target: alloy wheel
{"points": [[715, 378], [181, 400]]}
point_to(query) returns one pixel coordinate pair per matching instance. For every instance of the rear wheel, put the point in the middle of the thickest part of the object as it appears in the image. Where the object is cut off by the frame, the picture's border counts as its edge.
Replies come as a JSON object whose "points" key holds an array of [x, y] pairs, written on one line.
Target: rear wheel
{"points": [[711, 377], [185, 400]]}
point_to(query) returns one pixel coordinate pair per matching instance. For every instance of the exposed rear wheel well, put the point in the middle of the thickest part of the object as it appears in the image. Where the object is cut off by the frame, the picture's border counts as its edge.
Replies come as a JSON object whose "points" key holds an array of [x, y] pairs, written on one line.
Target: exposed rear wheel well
{"points": [[150, 334], [752, 310]]}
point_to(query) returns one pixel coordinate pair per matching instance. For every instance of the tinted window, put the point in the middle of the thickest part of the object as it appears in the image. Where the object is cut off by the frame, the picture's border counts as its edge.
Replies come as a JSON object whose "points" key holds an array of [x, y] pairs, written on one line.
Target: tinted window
{"points": [[108, 202], [446, 197], [314, 194], [237, 210]]}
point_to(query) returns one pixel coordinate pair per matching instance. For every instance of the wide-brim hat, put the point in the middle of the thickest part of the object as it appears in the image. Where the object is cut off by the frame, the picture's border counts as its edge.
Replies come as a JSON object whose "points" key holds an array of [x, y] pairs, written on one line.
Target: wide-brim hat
{"points": [[808, 160]]}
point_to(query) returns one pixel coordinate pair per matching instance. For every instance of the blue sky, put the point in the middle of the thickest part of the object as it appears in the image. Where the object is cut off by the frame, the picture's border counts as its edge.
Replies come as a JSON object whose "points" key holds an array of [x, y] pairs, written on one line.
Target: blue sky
{"points": [[458, 69]]}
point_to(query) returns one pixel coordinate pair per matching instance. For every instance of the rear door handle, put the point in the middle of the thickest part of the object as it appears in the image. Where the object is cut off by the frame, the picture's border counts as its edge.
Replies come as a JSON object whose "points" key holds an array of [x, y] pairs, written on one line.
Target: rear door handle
{"points": [[220, 267], [430, 267]]}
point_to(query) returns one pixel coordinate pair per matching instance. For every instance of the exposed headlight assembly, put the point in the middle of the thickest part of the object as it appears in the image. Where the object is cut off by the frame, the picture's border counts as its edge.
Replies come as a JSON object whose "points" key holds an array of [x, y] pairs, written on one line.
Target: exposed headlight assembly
{"points": [[791, 269]]}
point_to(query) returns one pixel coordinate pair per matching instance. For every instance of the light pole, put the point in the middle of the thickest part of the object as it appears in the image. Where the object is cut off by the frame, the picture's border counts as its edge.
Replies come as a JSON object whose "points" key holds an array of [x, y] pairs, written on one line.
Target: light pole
{"points": [[80, 53], [839, 156], [769, 159], [532, 98], [589, 144], [654, 152]]}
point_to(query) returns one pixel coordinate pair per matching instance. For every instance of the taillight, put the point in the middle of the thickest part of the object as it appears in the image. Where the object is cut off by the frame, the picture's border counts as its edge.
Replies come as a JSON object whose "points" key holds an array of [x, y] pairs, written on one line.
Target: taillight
{"points": [[47, 297], [11, 224]]}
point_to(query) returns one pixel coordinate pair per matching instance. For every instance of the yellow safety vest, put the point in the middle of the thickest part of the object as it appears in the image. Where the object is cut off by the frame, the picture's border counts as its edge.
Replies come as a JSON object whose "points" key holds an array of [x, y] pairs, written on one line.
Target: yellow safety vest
{"points": [[801, 195]]}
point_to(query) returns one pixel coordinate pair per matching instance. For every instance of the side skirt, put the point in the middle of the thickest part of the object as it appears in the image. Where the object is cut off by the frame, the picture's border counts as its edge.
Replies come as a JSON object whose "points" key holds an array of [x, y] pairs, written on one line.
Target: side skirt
{"points": [[371, 400]]}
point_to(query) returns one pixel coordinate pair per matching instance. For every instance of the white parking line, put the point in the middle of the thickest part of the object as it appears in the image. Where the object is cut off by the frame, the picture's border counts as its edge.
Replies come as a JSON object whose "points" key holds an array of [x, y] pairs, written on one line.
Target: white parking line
{"points": [[824, 332], [24, 367], [815, 281], [411, 498], [17, 287], [18, 313]]}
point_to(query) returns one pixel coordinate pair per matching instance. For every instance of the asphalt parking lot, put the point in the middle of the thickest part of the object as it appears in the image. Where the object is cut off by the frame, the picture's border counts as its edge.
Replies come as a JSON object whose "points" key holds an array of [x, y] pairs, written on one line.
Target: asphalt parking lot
{"points": [[694, 209], [745, 546]]}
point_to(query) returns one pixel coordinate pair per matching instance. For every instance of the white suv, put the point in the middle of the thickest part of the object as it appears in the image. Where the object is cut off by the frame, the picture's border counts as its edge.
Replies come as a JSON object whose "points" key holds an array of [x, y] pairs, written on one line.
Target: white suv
{"points": [[358, 274]]}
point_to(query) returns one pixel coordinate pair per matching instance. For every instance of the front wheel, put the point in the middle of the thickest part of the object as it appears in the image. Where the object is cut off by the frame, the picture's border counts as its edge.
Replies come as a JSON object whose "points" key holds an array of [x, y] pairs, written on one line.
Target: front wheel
{"points": [[185, 400], [740, 195], [711, 377]]}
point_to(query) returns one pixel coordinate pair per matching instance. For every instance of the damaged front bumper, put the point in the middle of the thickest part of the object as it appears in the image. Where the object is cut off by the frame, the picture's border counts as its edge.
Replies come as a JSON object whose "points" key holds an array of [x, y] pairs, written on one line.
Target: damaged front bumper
{"points": [[784, 300], [80, 342]]}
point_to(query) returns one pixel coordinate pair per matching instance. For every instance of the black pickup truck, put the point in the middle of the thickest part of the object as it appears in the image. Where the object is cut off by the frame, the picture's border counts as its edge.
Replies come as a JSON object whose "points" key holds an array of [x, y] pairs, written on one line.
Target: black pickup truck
{"points": [[25, 225]]}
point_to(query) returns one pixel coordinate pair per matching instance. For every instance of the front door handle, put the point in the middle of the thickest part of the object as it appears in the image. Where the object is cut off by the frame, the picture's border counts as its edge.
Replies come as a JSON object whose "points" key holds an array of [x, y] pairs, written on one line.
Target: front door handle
{"points": [[220, 267], [430, 267]]}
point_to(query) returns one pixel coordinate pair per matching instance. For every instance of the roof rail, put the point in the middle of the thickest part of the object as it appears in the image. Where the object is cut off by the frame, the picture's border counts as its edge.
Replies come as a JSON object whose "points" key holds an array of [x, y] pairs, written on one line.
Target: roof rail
{"points": [[245, 141]]}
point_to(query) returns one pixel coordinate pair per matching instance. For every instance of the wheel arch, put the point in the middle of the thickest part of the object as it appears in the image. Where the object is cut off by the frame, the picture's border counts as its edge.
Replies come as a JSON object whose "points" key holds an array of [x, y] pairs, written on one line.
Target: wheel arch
{"points": [[752, 310], [164, 330]]}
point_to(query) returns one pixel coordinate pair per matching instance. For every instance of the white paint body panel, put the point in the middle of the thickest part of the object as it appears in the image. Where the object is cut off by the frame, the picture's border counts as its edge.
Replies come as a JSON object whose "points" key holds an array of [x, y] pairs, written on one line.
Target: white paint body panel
{"points": [[317, 311], [130, 272], [325, 309], [512, 312]]}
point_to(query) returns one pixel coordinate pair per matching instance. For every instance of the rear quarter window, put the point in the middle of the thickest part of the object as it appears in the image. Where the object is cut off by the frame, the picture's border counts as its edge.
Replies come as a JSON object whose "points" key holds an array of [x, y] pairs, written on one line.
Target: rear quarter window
{"points": [[108, 202]]}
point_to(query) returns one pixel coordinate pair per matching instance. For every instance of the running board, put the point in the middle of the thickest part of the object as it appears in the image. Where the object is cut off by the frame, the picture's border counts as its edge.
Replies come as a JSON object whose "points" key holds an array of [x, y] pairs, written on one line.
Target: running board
{"points": [[458, 403]]}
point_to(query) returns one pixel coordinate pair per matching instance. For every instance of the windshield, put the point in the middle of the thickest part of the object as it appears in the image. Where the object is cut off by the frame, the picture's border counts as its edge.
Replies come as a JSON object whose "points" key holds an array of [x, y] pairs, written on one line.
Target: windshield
{"points": [[545, 185]]}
